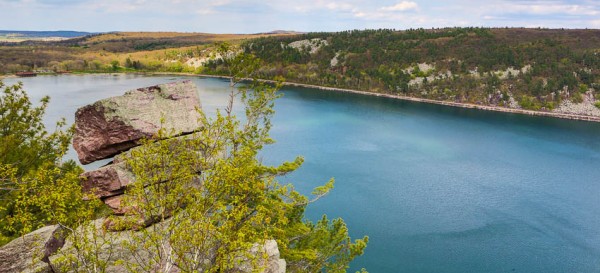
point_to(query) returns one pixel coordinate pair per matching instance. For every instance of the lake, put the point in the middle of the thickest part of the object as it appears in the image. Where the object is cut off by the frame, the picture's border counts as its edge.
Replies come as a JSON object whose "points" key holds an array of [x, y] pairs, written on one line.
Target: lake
{"points": [[437, 189]]}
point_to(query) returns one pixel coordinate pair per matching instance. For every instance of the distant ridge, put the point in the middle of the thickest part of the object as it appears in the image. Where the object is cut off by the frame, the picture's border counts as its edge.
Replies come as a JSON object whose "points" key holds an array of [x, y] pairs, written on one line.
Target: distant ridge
{"points": [[44, 34], [282, 32]]}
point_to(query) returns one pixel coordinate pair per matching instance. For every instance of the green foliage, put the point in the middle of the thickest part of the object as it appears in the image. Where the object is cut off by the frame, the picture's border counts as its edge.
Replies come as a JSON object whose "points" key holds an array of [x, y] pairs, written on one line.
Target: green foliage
{"points": [[201, 202], [324, 245], [576, 97], [90, 249], [236, 202], [379, 60], [114, 65], [385, 60], [529, 103], [549, 105], [25, 142], [175, 66], [597, 104], [36, 187], [128, 63], [205, 202]]}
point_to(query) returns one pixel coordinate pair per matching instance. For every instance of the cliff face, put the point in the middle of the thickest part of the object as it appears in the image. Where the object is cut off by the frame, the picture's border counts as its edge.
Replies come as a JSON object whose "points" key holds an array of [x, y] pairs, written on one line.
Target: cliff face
{"points": [[110, 127]]}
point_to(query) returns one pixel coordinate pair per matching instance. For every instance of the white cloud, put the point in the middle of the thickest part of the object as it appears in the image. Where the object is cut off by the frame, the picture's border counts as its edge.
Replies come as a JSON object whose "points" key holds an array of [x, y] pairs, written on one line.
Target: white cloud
{"points": [[392, 13], [233, 16], [112, 6], [402, 6], [360, 14], [317, 5], [210, 8], [339, 6], [546, 8], [205, 11], [556, 9]]}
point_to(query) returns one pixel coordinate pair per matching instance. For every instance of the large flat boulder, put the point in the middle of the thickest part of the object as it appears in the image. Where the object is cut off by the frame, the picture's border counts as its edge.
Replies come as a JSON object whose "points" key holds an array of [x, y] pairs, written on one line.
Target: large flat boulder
{"points": [[113, 125]]}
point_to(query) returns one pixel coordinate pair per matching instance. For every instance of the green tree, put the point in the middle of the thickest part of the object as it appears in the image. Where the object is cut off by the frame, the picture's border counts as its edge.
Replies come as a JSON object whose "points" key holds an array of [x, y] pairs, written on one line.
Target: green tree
{"points": [[36, 187], [215, 200], [114, 65], [128, 63], [235, 203], [200, 203]]}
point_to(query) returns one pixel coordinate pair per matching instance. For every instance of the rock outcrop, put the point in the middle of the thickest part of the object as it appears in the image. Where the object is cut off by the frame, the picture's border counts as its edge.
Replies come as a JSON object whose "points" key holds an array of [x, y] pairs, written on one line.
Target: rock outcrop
{"points": [[107, 181], [113, 127], [272, 263], [116, 124], [110, 181], [41, 250], [31, 252], [586, 107]]}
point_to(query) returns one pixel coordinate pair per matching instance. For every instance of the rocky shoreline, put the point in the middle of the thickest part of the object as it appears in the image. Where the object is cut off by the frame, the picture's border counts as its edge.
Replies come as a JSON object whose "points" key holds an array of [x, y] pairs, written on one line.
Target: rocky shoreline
{"points": [[566, 110], [570, 116], [569, 110]]}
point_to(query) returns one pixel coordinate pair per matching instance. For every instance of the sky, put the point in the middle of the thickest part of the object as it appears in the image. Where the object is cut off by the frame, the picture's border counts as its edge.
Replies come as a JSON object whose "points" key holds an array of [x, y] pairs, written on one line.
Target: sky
{"points": [[251, 16]]}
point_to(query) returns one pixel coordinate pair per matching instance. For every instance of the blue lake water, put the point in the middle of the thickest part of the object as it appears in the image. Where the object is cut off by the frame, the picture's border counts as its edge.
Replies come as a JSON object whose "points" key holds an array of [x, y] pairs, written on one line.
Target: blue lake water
{"points": [[437, 189]]}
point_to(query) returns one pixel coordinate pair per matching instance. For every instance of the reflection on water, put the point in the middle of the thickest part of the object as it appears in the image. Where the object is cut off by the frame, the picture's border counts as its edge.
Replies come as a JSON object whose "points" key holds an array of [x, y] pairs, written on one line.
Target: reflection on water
{"points": [[437, 189]]}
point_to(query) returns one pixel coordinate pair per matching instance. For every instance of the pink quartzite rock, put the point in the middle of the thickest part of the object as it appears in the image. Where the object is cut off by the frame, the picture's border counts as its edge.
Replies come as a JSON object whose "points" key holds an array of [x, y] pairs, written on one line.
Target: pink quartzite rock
{"points": [[107, 181], [110, 182], [114, 203], [116, 124]]}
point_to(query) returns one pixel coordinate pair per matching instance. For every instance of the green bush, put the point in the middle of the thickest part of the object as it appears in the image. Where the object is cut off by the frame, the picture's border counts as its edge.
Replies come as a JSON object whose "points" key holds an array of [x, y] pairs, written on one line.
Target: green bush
{"points": [[577, 98], [549, 105]]}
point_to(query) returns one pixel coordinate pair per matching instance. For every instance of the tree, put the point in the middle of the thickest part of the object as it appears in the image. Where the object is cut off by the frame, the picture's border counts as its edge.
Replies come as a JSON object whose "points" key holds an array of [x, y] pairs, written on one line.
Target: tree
{"points": [[235, 203], [114, 65], [36, 187], [128, 63], [202, 202], [215, 200]]}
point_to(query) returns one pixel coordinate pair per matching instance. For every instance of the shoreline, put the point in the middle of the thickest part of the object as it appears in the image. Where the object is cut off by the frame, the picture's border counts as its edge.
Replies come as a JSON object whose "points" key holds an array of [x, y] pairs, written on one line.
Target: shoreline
{"points": [[391, 96], [429, 101], [455, 104]]}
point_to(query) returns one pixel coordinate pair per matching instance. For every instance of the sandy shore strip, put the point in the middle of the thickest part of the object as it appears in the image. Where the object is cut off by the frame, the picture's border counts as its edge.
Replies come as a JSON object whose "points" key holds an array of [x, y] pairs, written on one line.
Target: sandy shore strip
{"points": [[7, 77]]}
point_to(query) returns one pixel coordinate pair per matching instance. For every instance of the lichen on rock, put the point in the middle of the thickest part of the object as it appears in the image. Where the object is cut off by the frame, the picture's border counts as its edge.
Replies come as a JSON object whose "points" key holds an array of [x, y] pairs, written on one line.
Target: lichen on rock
{"points": [[116, 124]]}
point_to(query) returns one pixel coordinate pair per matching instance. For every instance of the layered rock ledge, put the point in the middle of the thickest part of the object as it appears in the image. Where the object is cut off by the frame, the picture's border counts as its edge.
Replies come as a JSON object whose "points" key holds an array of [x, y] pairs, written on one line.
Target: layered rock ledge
{"points": [[113, 125]]}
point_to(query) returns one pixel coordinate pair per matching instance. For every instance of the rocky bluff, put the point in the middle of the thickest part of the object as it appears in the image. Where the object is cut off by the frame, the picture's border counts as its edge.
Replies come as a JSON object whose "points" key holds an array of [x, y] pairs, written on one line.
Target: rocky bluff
{"points": [[110, 128]]}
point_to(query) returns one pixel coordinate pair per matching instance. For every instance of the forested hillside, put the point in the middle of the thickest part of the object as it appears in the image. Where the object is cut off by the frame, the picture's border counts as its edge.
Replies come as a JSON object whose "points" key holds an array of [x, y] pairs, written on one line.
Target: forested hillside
{"points": [[112, 52], [529, 68], [537, 69]]}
